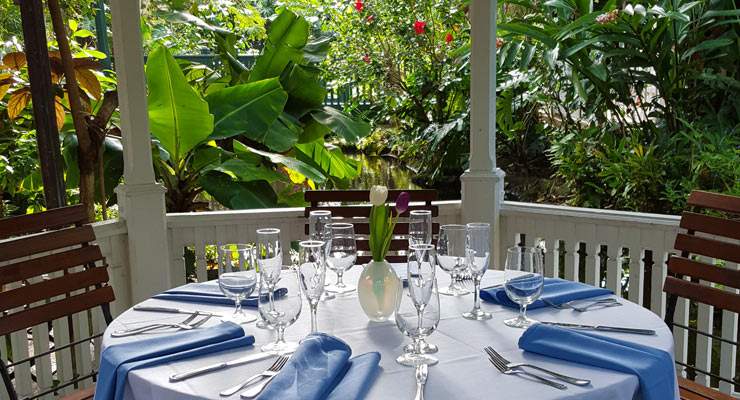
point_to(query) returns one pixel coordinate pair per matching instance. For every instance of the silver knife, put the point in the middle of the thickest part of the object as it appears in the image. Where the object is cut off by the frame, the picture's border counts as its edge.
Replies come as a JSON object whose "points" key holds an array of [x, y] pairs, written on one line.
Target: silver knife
{"points": [[603, 328], [174, 310], [217, 367]]}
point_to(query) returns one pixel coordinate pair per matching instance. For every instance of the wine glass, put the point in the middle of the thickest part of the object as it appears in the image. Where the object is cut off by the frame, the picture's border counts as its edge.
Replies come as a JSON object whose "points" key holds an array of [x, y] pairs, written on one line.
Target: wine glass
{"points": [[281, 312], [269, 255], [237, 277], [452, 256], [312, 274], [479, 255], [420, 227], [342, 252], [417, 316], [421, 258], [317, 230], [523, 281]]}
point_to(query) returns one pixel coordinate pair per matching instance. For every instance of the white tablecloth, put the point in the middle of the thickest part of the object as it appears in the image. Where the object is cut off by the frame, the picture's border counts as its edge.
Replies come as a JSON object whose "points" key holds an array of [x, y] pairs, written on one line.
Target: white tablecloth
{"points": [[462, 373]]}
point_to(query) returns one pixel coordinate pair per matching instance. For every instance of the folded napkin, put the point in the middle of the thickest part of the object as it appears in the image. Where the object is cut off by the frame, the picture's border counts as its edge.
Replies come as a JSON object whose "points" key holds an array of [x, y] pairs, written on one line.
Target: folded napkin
{"points": [[321, 369], [653, 367], [555, 290], [117, 360], [209, 293]]}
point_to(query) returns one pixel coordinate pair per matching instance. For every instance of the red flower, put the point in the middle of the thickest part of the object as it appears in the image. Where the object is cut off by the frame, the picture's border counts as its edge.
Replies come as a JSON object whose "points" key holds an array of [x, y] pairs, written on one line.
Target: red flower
{"points": [[448, 37], [419, 27], [370, 18], [499, 42], [359, 5], [366, 58]]}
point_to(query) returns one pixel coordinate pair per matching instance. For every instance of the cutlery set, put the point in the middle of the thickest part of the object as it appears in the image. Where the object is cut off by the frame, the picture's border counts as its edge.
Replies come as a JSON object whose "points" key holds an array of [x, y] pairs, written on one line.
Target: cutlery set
{"points": [[186, 324]]}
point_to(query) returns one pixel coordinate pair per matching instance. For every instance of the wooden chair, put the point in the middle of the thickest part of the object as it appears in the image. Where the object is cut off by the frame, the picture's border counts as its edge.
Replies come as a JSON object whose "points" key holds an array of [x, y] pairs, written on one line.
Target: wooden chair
{"points": [[715, 237], [51, 287], [337, 201]]}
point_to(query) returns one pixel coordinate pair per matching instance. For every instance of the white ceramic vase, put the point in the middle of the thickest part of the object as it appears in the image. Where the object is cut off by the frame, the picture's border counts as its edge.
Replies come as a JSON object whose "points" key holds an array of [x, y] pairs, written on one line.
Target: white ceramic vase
{"points": [[379, 290]]}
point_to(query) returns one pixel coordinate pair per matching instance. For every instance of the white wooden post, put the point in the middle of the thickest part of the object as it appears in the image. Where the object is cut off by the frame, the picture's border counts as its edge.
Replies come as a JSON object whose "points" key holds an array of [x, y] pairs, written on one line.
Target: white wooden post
{"points": [[483, 183], [140, 198]]}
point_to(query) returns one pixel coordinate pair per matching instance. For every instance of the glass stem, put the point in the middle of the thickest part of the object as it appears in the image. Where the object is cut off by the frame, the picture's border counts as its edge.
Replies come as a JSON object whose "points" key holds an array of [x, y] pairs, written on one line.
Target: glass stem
{"points": [[280, 334], [476, 294], [523, 312], [238, 303], [270, 297], [340, 282], [417, 345], [314, 322]]}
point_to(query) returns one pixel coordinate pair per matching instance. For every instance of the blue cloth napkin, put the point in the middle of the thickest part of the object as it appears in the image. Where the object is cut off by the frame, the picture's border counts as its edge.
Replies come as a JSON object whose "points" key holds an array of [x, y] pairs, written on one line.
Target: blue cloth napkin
{"points": [[653, 367], [209, 293], [555, 290], [320, 369], [117, 360]]}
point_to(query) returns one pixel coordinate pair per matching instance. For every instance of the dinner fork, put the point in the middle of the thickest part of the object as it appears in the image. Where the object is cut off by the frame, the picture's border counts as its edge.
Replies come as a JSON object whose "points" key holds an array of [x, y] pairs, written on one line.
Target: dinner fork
{"points": [[135, 331], [254, 391], [504, 369], [605, 303], [565, 378], [274, 368]]}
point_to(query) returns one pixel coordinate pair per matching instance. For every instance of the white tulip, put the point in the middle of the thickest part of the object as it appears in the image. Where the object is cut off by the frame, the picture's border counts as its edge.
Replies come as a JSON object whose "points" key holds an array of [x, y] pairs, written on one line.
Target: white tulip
{"points": [[629, 10], [378, 195], [640, 10]]}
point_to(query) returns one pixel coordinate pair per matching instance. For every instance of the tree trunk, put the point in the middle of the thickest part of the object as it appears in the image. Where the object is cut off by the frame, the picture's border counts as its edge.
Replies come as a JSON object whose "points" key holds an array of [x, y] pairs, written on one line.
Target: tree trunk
{"points": [[87, 151]]}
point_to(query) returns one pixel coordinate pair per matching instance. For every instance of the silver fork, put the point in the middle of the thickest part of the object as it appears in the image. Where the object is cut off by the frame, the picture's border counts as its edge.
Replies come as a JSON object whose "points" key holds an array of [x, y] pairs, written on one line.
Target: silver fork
{"points": [[605, 303], [274, 368], [255, 390], [565, 378], [147, 328], [504, 369], [465, 279]]}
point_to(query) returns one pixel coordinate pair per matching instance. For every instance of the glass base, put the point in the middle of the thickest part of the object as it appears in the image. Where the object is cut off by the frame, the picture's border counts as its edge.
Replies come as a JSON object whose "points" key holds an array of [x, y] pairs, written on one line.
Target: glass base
{"points": [[326, 296], [520, 322], [280, 347], [414, 360], [240, 318], [454, 290], [426, 348], [477, 315], [340, 289], [263, 325]]}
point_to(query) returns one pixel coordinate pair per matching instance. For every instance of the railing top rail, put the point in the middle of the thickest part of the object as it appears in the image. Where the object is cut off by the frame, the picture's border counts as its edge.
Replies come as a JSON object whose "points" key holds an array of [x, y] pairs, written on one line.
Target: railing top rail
{"points": [[510, 208]]}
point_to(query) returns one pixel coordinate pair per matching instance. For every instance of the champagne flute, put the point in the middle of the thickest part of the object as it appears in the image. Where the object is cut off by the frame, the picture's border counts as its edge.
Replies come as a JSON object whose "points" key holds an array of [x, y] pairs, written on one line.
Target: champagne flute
{"points": [[312, 274], [523, 281], [281, 312], [417, 316], [420, 227], [421, 257], [479, 254], [269, 255], [452, 256], [318, 230], [237, 278], [342, 252]]}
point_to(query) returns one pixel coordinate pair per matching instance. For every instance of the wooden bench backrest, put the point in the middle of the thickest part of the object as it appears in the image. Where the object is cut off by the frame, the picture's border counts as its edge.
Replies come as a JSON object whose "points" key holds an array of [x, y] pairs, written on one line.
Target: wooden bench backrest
{"points": [[353, 206]]}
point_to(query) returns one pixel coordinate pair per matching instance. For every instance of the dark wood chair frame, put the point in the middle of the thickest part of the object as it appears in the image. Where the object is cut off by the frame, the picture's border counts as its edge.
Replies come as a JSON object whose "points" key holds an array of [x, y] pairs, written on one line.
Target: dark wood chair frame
{"points": [[358, 213], [66, 236], [718, 223]]}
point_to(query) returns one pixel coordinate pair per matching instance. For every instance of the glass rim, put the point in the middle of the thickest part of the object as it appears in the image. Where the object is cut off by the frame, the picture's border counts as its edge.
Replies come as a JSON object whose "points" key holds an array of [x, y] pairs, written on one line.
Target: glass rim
{"points": [[319, 212], [236, 247], [478, 225], [340, 225], [421, 246], [268, 231], [420, 212], [455, 227], [311, 243]]}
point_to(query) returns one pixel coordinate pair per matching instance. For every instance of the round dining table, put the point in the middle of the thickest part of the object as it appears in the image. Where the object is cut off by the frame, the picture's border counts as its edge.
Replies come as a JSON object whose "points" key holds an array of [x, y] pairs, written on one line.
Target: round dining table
{"points": [[463, 371]]}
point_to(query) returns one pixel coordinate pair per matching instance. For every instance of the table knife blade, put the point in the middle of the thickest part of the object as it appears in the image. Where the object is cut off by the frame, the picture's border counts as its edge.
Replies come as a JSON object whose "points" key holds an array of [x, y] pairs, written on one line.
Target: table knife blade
{"points": [[603, 328], [219, 366], [172, 310]]}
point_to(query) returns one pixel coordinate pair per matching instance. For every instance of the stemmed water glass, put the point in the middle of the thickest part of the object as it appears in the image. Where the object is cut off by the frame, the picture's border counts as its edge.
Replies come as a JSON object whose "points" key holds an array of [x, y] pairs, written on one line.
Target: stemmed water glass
{"points": [[312, 274], [417, 315], [237, 277], [479, 254], [269, 255], [452, 256], [281, 312], [318, 230], [523, 281], [341, 254], [420, 227]]}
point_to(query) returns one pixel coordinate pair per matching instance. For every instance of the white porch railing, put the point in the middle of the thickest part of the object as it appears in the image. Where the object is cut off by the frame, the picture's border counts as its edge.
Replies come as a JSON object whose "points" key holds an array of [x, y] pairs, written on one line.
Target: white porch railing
{"points": [[625, 252]]}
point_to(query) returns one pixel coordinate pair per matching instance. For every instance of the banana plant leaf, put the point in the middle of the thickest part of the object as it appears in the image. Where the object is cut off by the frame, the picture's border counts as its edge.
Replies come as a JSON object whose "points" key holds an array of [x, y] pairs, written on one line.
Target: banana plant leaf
{"points": [[178, 116], [286, 37], [112, 165], [292, 163], [246, 172], [282, 134], [238, 195], [340, 123], [327, 158], [303, 84]]}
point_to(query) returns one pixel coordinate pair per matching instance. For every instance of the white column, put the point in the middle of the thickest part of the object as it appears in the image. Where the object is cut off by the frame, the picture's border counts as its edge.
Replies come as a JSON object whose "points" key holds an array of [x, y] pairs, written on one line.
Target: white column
{"points": [[140, 197], [483, 183]]}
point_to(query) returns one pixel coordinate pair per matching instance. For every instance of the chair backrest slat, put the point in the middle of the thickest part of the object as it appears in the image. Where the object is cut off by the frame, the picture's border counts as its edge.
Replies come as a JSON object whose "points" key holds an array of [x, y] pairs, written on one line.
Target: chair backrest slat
{"points": [[702, 294], [683, 266], [714, 201], [710, 225], [358, 214], [708, 247], [52, 219], [46, 264], [43, 242], [49, 288]]}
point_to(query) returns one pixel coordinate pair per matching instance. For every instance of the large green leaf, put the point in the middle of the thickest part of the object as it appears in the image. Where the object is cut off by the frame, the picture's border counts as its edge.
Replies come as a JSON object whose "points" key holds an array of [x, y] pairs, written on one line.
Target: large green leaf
{"points": [[317, 49], [238, 195], [286, 38], [341, 124], [246, 172], [112, 164], [329, 158], [249, 109], [282, 134], [292, 163], [184, 17], [303, 84], [178, 116]]}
